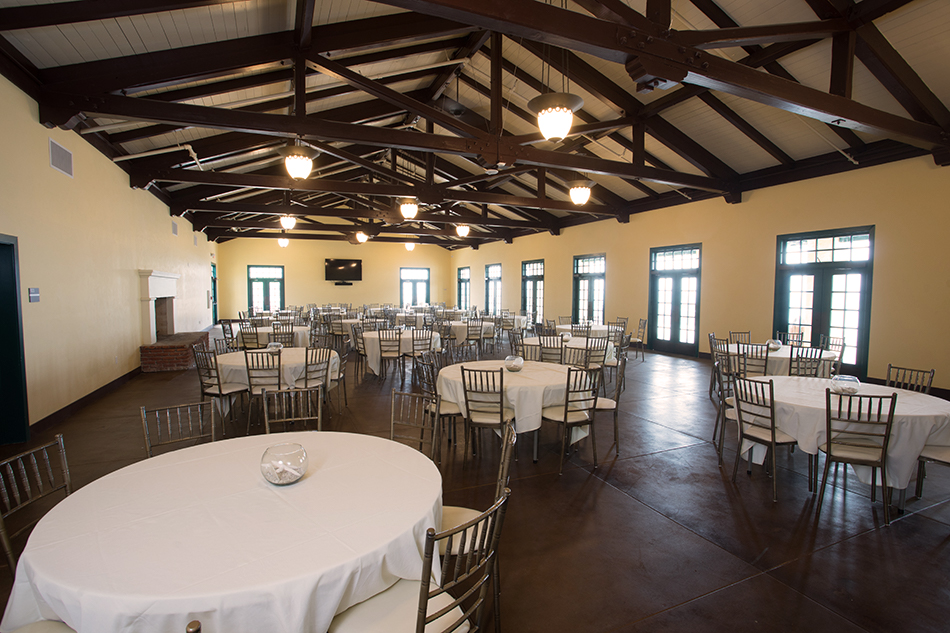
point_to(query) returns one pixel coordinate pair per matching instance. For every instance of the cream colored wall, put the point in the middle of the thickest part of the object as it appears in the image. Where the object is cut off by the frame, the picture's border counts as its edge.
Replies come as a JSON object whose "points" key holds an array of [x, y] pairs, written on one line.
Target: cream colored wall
{"points": [[303, 263], [82, 241], [906, 201]]}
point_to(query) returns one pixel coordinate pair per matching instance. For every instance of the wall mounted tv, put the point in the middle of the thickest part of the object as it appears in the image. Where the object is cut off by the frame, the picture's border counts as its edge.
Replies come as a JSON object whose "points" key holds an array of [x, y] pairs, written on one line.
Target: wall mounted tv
{"points": [[344, 270]]}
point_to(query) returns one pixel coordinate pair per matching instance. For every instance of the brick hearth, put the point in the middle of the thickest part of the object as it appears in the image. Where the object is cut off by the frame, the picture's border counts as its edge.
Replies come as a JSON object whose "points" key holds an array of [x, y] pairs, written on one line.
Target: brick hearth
{"points": [[171, 353]]}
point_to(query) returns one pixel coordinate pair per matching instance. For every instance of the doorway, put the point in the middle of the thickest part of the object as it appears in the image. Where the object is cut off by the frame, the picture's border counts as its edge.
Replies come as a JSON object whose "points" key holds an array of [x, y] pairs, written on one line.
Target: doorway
{"points": [[674, 299], [16, 419]]}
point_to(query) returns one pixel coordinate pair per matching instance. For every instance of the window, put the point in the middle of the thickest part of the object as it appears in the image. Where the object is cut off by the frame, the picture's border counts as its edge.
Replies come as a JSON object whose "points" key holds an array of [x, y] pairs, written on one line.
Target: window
{"points": [[674, 299], [413, 286], [823, 288], [493, 288], [589, 288], [464, 295], [532, 290], [265, 288]]}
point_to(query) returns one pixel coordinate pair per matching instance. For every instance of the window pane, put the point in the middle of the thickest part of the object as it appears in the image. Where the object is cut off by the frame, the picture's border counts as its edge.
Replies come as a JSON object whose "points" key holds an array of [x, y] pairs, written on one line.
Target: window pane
{"points": [[268, 272]]}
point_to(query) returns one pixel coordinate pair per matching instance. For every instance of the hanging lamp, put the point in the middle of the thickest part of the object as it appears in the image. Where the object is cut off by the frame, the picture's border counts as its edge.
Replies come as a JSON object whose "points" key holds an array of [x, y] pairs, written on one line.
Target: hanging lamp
{"points": [[555, 112], [361, 237], [288, 221], [580, 191], [298, 159], [462, 230], [408, 208], [410, 246]]}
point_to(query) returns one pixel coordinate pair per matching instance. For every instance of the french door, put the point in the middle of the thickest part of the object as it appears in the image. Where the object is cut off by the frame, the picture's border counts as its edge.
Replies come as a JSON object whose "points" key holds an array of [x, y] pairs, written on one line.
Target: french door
{"points": [[590, 286], [414, 287], [823, 288], [674, 299], [265, 288]]}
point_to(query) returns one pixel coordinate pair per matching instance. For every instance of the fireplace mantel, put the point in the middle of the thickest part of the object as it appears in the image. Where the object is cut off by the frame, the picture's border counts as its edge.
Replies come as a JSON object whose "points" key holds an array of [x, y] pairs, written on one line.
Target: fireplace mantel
{"points": [[155, 284]]}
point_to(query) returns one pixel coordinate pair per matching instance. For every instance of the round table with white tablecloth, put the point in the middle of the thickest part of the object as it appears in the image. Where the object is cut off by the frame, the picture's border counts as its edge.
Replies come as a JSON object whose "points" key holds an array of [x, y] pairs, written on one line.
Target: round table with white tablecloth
{"points": [[293, 365], [595, 330], [460, 329], [198, 533], [919, 419], [781, 359], [371, 343], [301, 336]]}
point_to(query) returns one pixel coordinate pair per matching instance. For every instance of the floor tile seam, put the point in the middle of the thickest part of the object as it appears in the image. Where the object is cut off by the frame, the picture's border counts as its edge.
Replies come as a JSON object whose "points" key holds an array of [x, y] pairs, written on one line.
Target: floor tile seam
{"points": [[668, 427], [623, 627]]}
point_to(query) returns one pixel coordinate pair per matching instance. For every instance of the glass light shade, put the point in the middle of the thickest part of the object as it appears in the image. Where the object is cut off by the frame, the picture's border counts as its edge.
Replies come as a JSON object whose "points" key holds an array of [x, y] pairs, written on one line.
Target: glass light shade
{"points": [[298, 166], [410, 246], [282, 242], [408, 210], [555, 123], [462, 230], [580, 194], [288, 221], [361, 237]]}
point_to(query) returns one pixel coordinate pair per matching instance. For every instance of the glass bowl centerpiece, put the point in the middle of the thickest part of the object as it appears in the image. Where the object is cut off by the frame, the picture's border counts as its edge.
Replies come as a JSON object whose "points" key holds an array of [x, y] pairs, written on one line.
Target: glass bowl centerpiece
{"points": [[284, 464]]}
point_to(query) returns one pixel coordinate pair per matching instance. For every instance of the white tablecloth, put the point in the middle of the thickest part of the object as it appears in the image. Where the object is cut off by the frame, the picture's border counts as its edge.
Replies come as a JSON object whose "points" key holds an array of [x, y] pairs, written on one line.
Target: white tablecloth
{"points": [[575, 342], [918, 420], [781, 359], [199, 534], [371, 342], [460, 329], [293, 365], [301, 336], [595, 330], [536, 386]]}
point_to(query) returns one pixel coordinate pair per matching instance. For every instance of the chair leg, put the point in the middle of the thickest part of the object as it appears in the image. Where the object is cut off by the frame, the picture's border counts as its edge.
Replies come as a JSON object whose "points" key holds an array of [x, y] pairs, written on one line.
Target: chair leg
{"points": [[824, 481], [593, 443], [537, 433], [563, 449], [617, 429], [774, 482], [496, 581], [735, 468], [921, 473]]}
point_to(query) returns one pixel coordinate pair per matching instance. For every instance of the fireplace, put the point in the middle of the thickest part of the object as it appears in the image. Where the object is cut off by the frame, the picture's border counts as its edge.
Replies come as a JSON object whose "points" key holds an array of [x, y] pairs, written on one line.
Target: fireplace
{"points": [[158, 291]]}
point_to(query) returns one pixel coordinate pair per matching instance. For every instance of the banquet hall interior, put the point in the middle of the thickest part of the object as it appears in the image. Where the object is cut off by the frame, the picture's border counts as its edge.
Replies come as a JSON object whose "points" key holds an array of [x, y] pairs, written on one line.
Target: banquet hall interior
{"points": [[722, 143]]}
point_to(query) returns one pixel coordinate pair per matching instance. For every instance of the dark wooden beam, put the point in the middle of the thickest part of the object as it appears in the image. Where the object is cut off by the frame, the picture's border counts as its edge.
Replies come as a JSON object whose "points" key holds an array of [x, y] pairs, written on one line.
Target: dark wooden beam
{"points": [[290, 127], [746, 128], [380, 91], [497, 126], [303, 24], [659, 12], [842, 63], [758, 35], [58, 13]]}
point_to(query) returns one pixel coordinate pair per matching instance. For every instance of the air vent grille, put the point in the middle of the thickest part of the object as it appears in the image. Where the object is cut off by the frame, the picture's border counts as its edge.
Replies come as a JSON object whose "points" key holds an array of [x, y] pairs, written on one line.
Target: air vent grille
{"points": [[60, 158]]}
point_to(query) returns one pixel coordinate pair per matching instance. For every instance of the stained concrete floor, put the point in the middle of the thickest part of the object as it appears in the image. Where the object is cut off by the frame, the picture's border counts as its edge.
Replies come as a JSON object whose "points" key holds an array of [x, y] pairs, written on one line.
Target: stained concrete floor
{"points": [[655, 539]]}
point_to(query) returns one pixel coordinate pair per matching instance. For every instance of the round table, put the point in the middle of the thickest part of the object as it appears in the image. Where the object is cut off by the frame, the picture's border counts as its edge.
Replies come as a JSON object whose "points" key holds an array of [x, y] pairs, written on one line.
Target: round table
{"points": [[371, 343], [301, 336], [575, 342], [781, 359], [199, 534], [293, 365], [595, 330], [536, 386], [919, 419], [460, 329]]}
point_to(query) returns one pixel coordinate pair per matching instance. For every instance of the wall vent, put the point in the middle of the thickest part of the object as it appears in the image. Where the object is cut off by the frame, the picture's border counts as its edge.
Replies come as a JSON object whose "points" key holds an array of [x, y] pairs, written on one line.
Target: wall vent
{"points": [[174, 228], [60, 158]]}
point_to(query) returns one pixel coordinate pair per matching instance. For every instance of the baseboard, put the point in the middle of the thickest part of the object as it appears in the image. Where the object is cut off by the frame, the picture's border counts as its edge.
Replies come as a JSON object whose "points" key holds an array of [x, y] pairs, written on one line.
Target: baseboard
{"points": [[55, 418]]}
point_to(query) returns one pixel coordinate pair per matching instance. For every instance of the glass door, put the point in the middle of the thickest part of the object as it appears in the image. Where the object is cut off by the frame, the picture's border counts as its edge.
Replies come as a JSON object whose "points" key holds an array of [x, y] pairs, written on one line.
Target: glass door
{"points": [[214, 294], [589, 289], [265, 288], [823, 289], [674, 299], [414, 286]]}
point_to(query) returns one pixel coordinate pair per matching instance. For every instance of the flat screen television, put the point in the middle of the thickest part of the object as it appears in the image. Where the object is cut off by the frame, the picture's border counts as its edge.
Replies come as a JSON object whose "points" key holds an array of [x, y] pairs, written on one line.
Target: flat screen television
{"points": [[344, 269]]}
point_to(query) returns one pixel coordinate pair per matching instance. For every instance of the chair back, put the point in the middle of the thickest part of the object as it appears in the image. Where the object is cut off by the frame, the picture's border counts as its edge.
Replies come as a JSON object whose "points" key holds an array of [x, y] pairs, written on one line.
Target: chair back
{"points": [[795, 339], [596, 351], [753, 359], [580, 397], [833, 344], [565, 320], [178, 424], [484, 396], [754, 404], [249, 337], [421, 341], [911, 379], [317, 369], [390, 342], [516, 341], [473, 330], [207, 365], [805, 361], [283, 333], [414, 421], [26, 478], [642, 331], [740, 337], [620, 383], [551, 349], [858, 428], [225, 346], [580, 329], [476, 544], [292, 409], [615, 333], [263, 370]]}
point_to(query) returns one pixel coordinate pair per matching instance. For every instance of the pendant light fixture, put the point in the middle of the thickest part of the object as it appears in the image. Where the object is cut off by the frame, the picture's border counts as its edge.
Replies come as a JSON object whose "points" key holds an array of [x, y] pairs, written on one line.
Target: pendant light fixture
{"points": [[283, 242], [361, 237], [298, 159], [288, 221], [555, 112], [408, 208], [410, 246], [580, 191], [462, 230]]}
